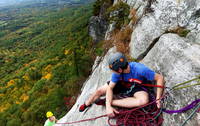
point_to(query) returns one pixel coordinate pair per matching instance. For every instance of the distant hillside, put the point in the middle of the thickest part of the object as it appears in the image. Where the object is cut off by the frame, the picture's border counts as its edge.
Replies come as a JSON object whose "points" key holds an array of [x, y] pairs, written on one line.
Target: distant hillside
{"points": [[45, 56], [49, 2]]}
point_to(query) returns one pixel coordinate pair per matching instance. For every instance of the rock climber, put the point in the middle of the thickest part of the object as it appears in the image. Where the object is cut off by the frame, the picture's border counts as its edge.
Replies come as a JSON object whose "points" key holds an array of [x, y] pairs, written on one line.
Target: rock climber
{"points": [[51, 119], [126, 79]]}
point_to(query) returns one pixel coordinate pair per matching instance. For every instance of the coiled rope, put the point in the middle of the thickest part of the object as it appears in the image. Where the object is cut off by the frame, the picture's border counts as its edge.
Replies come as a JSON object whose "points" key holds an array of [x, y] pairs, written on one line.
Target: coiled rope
{"points": [[146, 115]]}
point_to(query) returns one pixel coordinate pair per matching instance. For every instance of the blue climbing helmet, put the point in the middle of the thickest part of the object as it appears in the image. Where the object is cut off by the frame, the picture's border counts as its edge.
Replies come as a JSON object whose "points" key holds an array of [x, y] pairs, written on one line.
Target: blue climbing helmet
{"points": [[116, 61]]}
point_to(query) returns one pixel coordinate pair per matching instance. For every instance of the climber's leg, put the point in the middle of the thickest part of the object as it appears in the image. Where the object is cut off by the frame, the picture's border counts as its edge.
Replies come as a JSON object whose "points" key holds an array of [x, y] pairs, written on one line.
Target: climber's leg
{"points": [[98, 93], [139, 98]]}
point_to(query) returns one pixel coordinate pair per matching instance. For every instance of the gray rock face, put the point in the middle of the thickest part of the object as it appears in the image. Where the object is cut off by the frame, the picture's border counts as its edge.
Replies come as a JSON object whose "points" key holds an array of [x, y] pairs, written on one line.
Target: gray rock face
{"points": [[143, 36], [97, 28], [194, 37], [178, 61], [167, 15], [98, 25], [108, 34], [139, 5], [99, 77], [176, 58]]}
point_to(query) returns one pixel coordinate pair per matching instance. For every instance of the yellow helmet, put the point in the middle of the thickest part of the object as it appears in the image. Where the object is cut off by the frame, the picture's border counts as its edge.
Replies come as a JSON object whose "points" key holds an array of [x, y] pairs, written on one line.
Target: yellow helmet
{"points": [[49, 114]]}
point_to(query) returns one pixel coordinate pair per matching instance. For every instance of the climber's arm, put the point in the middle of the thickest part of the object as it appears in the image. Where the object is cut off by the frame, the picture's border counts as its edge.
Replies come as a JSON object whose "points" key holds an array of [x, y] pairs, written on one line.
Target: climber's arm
{"points": [[109, 97], [160, 81]]}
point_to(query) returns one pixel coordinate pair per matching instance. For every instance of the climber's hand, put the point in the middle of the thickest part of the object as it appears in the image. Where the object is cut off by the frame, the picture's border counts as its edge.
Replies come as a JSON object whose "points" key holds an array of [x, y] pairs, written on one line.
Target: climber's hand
{"points": [[111, 111], [158, 102]]}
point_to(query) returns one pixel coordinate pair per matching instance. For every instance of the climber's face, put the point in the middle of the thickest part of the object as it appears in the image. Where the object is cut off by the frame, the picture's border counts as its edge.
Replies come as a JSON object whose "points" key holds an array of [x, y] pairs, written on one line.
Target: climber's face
{"points": [[118, 72], [127, 70], [52, 118]]}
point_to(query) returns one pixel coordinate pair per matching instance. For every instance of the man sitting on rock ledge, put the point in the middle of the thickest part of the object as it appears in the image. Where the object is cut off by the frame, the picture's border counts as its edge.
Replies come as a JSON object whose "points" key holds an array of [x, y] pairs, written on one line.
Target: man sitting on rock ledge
{"points": [[125, 81]]}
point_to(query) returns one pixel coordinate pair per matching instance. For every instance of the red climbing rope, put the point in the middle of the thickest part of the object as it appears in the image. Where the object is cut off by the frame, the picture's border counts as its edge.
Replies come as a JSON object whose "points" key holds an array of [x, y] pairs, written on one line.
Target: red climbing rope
{"points": [[151, 85], [84, 120], [145, 115], [138, 118], [150, 116]]}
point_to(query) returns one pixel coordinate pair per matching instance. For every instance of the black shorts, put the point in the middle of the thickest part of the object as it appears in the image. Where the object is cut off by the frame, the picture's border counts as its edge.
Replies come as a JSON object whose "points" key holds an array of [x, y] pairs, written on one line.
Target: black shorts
{"points": [[126, 89]]}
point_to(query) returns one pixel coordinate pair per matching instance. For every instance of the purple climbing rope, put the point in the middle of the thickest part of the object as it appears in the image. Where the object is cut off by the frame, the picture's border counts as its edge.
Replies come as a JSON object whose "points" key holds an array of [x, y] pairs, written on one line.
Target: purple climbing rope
{"points": [[188, 107]]}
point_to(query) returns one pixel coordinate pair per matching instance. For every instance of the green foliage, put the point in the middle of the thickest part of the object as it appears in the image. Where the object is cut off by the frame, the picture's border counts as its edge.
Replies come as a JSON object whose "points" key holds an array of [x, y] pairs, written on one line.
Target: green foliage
{"points": [[99, 51], [34, 74], [19, 83], [47, 53], [119, 14], [52, 101], [3, 90], [181, 31], [2, 34], [98, 4], [99, 48], [3, 119], [184, 33], [14, 122], [28, 123], [13, 109], [60, 74], [37, 86], [2, 122]]}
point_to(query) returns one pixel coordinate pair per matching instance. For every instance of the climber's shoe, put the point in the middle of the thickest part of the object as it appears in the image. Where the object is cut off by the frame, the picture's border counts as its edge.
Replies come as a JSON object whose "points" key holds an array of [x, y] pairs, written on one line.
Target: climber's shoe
{"points": [[100, 102], [83, 107]]}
